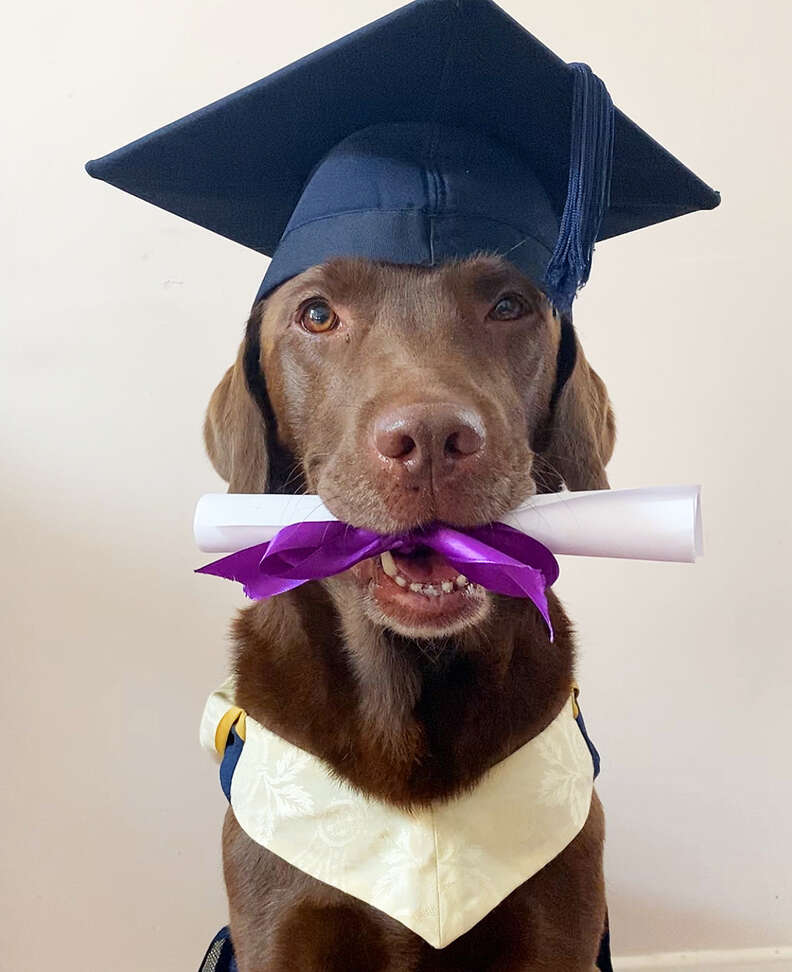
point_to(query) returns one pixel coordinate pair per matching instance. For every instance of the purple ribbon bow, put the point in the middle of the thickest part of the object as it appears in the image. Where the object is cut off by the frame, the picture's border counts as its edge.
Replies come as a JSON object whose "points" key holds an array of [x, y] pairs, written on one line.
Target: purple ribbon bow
{"points": [[496, 556]]}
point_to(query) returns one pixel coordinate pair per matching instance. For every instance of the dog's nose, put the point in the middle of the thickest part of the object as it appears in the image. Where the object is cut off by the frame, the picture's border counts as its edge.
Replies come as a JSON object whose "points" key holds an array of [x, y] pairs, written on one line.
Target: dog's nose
{"points": [[434, 436]]}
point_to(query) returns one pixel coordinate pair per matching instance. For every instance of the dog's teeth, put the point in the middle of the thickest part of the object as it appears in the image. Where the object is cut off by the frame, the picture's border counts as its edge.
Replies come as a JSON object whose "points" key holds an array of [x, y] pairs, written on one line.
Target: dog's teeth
{"points": [[400, 580], [461, 581], [431, 591], [416, 588], [447, 587], [388, 563]]}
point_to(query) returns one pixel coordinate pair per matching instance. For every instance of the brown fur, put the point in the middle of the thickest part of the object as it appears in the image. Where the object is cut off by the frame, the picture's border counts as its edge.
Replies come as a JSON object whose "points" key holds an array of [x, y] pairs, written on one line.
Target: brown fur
{"points": [[407, 719]]}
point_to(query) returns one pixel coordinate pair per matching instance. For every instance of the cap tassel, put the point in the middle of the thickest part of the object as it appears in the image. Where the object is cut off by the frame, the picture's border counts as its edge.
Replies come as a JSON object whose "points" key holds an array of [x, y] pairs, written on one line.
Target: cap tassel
{"points": [[588, 188]]}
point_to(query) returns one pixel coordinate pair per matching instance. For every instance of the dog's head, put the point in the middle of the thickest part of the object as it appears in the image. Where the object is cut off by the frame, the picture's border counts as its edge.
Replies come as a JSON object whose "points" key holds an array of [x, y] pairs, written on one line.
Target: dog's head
{"points": [[403, 395]]}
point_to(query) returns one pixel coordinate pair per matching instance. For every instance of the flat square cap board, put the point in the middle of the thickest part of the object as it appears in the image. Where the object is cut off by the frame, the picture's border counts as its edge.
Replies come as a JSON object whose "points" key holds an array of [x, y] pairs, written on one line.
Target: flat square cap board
{"points": [[441, 130]]}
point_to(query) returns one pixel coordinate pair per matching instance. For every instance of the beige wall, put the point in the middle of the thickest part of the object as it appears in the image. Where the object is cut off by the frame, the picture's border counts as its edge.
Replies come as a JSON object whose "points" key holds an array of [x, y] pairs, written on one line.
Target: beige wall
{"points": [[118, 319]]}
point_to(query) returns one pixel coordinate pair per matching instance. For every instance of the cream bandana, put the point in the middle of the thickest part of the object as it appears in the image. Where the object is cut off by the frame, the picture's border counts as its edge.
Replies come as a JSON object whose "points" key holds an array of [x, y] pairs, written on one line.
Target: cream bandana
{"points": [[438, 870]]}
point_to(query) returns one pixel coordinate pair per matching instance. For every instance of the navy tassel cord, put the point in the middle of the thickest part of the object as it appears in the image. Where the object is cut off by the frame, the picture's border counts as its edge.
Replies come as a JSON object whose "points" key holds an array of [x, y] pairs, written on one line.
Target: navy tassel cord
{"points": [[588, 187]]}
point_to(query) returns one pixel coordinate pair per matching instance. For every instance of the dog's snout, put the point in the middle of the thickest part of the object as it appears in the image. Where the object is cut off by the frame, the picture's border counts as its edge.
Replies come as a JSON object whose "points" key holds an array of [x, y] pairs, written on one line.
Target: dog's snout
{"points": [[432, 436]]}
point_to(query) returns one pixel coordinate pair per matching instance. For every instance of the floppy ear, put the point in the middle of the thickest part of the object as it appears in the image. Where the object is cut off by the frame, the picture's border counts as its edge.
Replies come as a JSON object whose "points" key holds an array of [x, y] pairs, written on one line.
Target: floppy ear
{"points": [[235, 433], [578, 441]]}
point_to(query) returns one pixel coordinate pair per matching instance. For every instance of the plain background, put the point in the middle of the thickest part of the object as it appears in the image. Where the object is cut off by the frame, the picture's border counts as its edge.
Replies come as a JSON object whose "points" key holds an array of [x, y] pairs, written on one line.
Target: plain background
{"points": [[118, 321]]}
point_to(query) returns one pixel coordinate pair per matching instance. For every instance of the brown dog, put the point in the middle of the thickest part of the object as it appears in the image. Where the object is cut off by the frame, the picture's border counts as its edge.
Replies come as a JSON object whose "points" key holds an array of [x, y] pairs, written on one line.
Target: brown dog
{"points": [[403, 395]]}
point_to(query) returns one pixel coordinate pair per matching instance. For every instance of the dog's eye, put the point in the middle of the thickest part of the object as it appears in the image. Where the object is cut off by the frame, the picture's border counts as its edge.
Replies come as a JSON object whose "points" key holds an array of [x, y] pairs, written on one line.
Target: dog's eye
{"points": [[508, 308], [318, 317]]}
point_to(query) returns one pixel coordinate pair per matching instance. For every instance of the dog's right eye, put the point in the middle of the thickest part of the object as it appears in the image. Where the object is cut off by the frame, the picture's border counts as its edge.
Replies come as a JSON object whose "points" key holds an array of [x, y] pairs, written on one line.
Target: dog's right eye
{"points": [[510, 307], [318, 317]]}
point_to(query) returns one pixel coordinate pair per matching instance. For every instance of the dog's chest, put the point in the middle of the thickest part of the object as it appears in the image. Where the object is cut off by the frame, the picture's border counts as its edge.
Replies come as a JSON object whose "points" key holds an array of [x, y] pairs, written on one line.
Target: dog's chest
{"points": [[437, 870]]}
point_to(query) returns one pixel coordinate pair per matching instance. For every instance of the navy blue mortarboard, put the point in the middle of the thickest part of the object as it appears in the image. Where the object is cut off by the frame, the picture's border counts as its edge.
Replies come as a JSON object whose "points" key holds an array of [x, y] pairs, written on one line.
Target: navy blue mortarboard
{"points": [[441, 130]]}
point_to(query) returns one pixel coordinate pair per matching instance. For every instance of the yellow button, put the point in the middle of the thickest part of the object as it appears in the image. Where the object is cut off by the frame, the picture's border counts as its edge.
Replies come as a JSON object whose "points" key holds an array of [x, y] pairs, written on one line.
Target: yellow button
{"points": [[234, 716]]}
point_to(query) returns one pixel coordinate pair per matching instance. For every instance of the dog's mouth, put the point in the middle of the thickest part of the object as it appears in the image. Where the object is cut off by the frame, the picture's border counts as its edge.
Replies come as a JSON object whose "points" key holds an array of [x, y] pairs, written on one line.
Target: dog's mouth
{"points": [[420, 593]]}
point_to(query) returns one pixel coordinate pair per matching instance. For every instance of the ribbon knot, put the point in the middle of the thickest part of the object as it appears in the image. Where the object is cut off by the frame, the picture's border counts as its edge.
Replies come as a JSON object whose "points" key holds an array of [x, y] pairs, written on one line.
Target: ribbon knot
{"points": [[496, 556]]}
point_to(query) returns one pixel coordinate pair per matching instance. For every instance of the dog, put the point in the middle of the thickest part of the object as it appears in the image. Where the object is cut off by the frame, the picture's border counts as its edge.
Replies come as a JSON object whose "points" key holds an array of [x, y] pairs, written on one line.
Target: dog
{"points": [[403, 395]]}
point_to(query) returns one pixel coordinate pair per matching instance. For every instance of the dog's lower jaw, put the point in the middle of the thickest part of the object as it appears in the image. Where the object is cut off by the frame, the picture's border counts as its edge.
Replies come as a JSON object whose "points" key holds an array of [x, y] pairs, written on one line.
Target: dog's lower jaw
{"points": [[469, 610], [415, 613], [425, 632]]}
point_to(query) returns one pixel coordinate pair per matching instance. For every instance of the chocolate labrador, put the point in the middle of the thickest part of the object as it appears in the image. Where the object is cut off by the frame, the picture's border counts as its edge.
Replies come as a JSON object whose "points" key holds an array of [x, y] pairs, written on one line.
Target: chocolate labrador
{"points": [[403, 395]]}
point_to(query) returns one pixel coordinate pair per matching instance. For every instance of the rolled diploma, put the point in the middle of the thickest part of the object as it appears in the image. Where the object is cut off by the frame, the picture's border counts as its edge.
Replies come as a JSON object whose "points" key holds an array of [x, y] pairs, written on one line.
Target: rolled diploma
{"points": [[651, 523]]}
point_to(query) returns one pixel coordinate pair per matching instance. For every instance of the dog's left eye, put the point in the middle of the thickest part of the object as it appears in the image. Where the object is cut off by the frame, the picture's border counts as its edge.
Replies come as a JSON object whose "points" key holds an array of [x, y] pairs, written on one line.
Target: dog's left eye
{"points": [[508, 308], [318, 317]]}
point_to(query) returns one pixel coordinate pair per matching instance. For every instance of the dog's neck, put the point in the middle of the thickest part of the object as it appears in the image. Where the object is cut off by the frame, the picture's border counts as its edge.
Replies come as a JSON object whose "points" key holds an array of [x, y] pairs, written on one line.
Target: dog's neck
{"points": [[405, 721]]}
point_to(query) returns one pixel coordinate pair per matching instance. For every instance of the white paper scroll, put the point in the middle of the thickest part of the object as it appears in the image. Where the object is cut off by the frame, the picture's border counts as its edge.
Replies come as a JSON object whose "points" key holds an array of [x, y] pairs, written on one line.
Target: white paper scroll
{"points": [[651, 523]]}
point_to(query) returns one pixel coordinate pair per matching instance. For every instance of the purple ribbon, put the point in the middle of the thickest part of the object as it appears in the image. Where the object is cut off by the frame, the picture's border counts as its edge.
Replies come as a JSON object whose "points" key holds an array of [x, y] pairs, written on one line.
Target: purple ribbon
{"points": [[495, 556]]}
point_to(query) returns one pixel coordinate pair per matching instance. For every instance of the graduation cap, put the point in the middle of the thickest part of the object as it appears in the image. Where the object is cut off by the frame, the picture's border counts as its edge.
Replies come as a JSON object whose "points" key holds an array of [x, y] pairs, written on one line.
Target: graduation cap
{"points": [[441, 130]]}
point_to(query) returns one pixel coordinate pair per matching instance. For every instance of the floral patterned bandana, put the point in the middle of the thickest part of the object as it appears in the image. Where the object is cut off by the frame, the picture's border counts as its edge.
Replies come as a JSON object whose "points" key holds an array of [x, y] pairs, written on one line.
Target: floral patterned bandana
{"points": [[437, 870]]}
